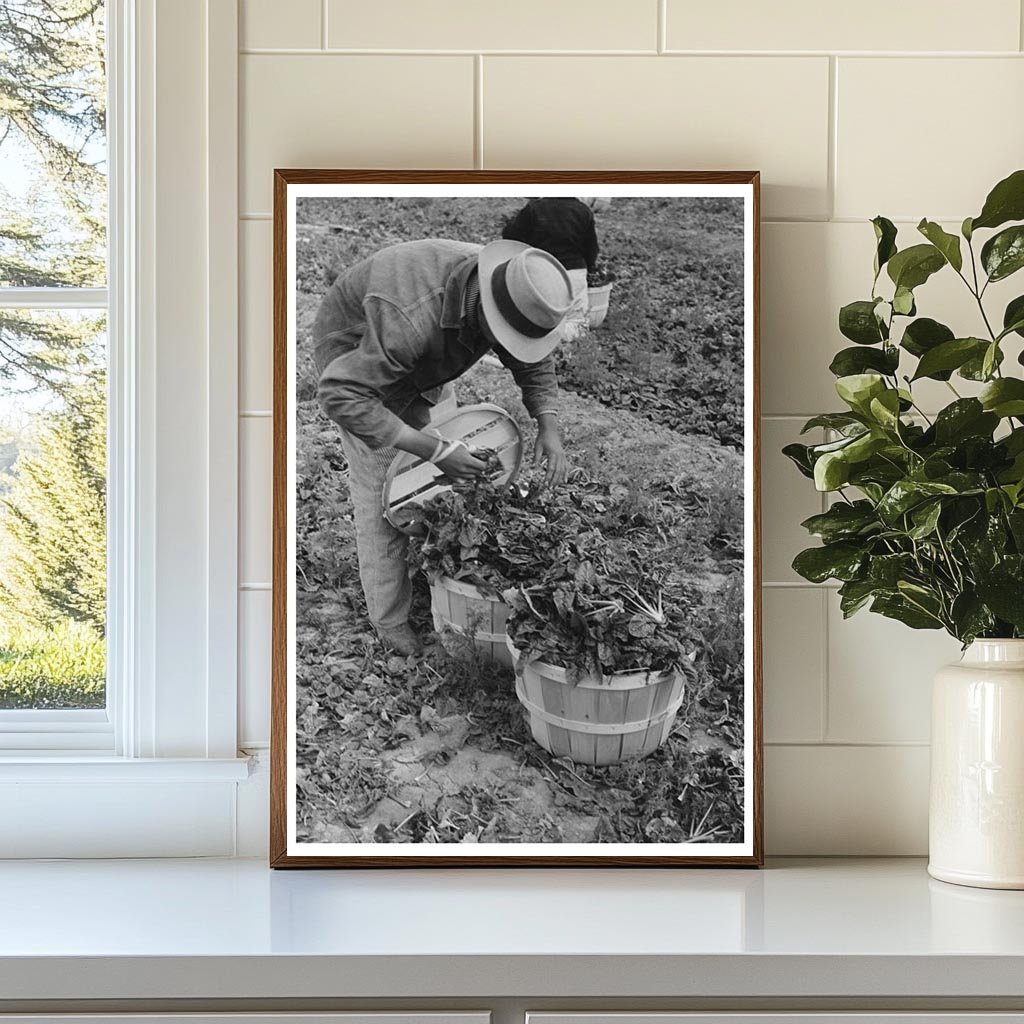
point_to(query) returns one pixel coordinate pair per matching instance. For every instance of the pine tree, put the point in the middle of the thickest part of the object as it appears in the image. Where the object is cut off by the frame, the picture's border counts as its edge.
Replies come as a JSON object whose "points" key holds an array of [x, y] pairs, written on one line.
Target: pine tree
{"points": [[53, 120], [53, 520], [53, 234]]}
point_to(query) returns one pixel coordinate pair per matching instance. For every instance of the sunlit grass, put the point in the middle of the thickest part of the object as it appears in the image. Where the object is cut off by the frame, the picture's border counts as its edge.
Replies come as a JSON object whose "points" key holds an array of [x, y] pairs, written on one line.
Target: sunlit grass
{"points": [[61, 667]]}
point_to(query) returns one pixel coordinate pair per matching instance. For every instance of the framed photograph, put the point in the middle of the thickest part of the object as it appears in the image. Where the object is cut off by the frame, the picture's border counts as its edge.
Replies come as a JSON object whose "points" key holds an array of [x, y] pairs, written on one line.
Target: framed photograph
{"points": [[516, 612]]}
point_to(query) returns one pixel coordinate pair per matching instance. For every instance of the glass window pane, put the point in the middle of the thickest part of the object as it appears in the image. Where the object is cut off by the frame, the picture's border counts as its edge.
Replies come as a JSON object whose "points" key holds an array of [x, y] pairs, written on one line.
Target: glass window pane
{"points": [[52, 509], [53, 149]]}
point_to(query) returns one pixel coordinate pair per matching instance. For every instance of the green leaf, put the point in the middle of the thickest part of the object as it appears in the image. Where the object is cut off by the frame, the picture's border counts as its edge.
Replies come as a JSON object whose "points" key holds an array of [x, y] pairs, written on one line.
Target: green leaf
{"points": [[831, 471], [925, 334], [950, 355], [1004, 397], [877, 472], [1014, 441], [841, 421], [966, 417], [1003, 254], [885, 237], [994, 500], [990, 360], [858, 389], [866, 445], [887, 570], [1013, 317], [963, 481], [857, 321], [1005, 596], [903, 302], [885, 409], [840, 561], [843, 521], [912, 267], [855, 594], [906, 494], [965, 229], [970, 617], [834, 446], [872, 491], [947, 244], [925, 518], [1005, 202], [974, 368], [897, 607], [850, 361], [800, 456]]}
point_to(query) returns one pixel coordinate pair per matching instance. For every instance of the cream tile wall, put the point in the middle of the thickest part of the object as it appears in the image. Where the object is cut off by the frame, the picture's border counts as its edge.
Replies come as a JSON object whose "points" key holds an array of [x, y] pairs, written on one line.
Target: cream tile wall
{"points": [[906, 109]]}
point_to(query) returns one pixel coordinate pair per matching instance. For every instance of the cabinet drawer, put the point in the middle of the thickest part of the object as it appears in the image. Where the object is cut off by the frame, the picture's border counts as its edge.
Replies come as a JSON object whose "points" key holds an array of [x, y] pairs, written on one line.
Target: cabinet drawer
{"points": [[934, 1017], [359, 1017]]}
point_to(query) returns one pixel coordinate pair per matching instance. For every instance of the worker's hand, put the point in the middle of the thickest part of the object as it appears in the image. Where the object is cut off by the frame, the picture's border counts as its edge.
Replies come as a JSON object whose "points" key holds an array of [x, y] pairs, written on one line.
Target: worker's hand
{"points": [[549, 449], [462, 465]]}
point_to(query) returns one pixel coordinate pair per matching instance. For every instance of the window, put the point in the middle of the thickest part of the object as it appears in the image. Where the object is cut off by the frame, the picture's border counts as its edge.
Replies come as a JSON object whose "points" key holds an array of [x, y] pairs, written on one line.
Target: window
{"points": [[53, 370], [94, 273]]}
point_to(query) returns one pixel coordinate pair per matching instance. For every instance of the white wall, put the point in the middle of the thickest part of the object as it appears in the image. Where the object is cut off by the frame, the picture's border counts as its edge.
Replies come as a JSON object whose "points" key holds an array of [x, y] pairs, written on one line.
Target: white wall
{"points": [[906, 109]]}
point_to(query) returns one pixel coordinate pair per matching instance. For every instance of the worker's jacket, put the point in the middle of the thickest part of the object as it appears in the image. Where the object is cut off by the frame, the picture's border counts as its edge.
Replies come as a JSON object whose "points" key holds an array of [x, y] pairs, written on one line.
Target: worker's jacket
{"points": [[392, 330]]}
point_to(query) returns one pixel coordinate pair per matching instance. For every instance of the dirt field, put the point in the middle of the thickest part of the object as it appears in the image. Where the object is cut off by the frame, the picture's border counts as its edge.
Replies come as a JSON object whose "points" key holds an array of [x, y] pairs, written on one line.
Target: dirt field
{"points": [[436, 749]]}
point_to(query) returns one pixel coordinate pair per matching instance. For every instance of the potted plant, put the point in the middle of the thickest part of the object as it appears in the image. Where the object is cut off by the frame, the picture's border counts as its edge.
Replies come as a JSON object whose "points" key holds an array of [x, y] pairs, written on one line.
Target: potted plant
{"points": [[600, 643], [599, 290], [927, 521]]}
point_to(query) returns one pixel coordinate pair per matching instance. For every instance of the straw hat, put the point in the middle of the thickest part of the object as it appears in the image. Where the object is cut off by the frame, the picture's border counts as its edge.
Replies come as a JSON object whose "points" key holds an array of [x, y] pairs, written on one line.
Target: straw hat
{"points": [[525, 294]]}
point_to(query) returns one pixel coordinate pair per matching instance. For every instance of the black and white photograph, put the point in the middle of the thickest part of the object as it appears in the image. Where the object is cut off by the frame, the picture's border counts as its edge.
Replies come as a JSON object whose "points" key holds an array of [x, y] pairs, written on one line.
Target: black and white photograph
{"points": [[516, 615]]}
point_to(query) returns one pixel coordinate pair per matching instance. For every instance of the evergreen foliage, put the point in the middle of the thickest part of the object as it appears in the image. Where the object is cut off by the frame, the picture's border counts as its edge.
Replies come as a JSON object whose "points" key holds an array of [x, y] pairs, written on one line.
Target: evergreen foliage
{"points": [[52, 235], [53, 521]]}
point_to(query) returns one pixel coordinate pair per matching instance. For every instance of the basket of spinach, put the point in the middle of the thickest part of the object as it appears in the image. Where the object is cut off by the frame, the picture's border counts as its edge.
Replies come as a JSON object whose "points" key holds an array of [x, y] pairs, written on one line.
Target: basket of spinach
{"points": [[602, 609]]}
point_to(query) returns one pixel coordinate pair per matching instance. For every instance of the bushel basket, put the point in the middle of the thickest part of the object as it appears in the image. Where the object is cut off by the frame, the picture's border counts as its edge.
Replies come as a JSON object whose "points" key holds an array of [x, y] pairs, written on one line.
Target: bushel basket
{"points": [[599, 720], [465, 609]]}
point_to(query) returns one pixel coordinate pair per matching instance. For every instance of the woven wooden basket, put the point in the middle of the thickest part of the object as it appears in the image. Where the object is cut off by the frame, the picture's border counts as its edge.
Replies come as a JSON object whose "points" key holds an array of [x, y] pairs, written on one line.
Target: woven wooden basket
{"points": [[465, 609], [598, 721]]}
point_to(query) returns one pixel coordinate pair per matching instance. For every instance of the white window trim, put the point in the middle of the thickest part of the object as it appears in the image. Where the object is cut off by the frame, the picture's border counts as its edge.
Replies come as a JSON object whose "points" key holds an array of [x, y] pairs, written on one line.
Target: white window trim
{"points": [[173, 456], [76, 730]]}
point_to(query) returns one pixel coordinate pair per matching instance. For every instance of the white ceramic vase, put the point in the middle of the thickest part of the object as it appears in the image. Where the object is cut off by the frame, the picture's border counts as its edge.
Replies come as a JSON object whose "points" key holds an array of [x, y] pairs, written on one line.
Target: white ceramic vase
{"points": [[976, 817]]}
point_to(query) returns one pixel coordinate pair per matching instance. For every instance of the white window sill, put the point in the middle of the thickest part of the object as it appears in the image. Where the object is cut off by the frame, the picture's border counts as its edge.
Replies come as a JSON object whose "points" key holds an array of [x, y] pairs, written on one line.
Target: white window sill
{"points": [[82, 767]]}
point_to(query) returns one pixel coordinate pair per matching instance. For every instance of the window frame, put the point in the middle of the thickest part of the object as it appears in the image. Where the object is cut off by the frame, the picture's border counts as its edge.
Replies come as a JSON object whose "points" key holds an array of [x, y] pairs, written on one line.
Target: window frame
{"points": [[173, 467], [77, 730]]}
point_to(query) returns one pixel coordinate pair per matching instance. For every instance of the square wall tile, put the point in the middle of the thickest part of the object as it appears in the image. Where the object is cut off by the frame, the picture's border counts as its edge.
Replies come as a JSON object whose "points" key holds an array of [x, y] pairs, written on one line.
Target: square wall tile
{"points": [[332, 110], [255, 506], [867, 25], [793, 630], [880, 677], [270, 24], [254, 618], [471, 25], [255, 315], [680, 113], [962, 127], [809, 271], [787, 499], [846, 801]]}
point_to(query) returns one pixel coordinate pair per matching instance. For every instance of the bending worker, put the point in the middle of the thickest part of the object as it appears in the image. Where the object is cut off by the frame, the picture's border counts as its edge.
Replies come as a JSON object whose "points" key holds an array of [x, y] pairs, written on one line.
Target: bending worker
{"points": [[391, 331]]}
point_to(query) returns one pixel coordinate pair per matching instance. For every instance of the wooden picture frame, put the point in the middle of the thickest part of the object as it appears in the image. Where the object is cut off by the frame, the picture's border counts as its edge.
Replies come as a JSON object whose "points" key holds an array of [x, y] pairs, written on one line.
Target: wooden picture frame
{"points": [[285, 849]]}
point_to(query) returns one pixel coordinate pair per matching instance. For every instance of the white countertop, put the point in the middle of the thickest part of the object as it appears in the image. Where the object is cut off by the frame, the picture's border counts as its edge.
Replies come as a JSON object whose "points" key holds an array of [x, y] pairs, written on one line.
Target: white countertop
{"points": [[233, 929]]}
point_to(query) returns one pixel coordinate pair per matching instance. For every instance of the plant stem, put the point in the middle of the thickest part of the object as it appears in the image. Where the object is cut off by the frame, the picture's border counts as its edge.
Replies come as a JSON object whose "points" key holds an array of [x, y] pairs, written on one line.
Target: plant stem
{"points": [[954, 568], [978, 293]]}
